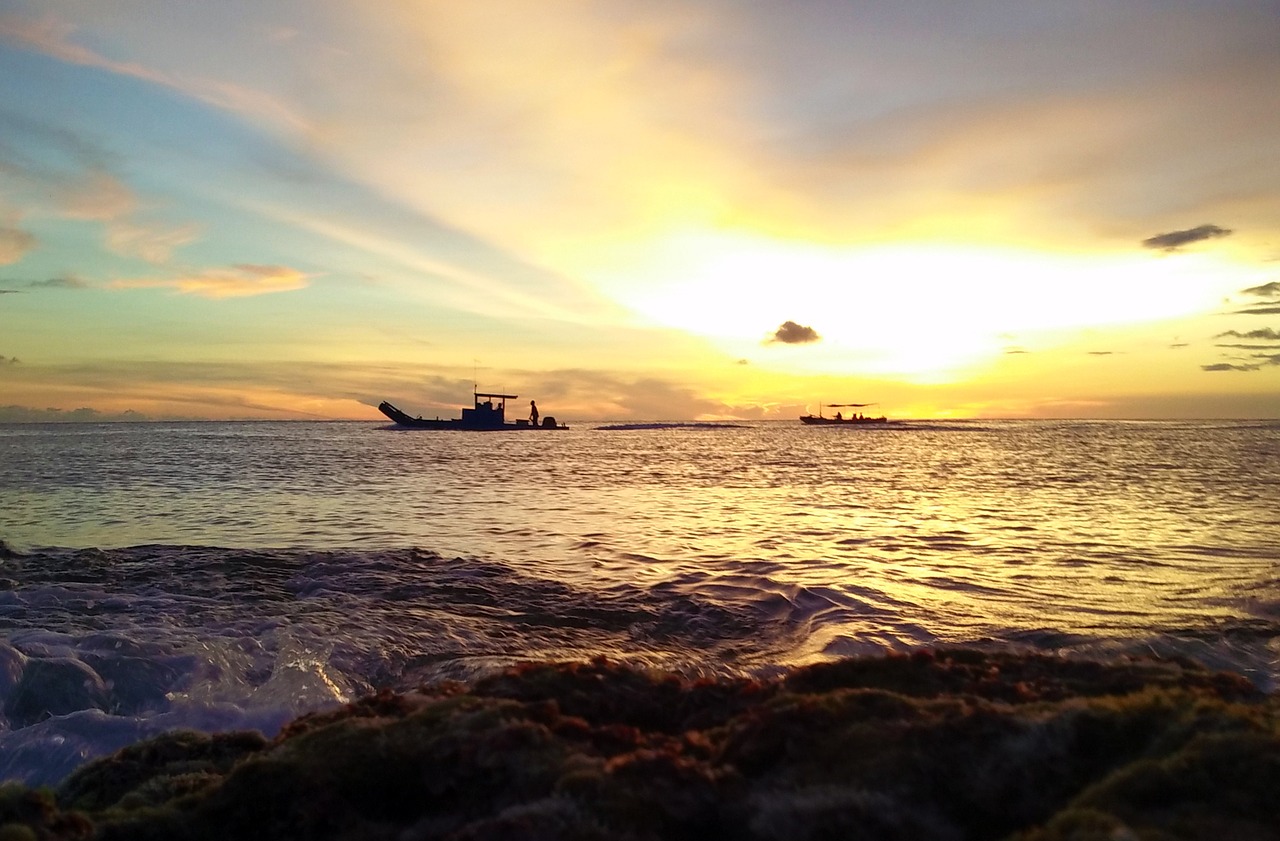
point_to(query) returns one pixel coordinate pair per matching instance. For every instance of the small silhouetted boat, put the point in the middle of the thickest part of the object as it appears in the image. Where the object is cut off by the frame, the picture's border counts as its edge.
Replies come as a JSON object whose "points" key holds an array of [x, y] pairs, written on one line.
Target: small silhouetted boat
{"points": [[854, 419], [488, 414]]}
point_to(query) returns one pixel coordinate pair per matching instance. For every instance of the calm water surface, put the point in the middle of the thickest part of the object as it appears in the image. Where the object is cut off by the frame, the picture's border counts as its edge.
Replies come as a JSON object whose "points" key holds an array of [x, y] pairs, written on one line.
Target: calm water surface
{"points": [[272, 568]]}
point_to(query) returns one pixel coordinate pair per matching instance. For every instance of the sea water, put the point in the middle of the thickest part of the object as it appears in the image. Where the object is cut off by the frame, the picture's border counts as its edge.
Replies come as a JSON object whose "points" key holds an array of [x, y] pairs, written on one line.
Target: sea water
{"points": [[235, 575]]}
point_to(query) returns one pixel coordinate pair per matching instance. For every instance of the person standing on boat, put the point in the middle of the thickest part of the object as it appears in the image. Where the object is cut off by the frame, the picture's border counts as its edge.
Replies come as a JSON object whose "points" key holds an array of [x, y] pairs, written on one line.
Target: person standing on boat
{"points": [[533, 413]]}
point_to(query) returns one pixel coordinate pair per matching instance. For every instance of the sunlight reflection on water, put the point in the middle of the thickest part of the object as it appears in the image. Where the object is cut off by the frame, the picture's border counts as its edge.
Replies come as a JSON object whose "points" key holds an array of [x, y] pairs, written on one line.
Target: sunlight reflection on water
{"points": [[1088, 527]]}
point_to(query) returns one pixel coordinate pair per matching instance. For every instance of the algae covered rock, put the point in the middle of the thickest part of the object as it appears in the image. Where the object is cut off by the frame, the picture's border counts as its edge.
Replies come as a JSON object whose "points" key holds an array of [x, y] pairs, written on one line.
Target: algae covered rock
{"points": [[935, 745], [27, 815], [157, 770]]}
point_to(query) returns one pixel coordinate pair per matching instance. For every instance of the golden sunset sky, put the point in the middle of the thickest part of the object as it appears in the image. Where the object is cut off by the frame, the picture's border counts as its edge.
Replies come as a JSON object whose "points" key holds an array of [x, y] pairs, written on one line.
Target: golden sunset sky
{"points": [[639, 210]]}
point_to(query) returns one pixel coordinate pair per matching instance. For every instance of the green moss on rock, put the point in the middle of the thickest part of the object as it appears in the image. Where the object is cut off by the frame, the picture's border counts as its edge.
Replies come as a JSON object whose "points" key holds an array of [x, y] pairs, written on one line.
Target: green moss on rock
{"points": [[940, 745]]}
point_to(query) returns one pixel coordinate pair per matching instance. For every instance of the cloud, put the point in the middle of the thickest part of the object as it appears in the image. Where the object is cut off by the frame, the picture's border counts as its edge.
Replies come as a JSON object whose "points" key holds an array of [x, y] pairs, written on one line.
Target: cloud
{"points": [[1173, 240], [677, 106], [53, 38], [101, 197], [281, 388], [1266, 333], [1251, 362], [35, 151], [238, 281], [14, 244], [610, 395], [1266, 290], [791, 333], [1270, 306], [154, 244], [23, 414], [1102, 353], [1228, 366], [1265, 354], [74, 181], [65, 282]]}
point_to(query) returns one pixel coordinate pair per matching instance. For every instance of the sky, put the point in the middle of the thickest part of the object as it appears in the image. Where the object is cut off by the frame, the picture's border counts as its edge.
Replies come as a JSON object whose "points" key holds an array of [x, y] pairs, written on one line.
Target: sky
{"points": [[676, 209]]}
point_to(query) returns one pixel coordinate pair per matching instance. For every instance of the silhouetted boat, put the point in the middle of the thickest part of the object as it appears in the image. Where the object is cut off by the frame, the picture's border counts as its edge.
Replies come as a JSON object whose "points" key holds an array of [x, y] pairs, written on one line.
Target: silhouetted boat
{"points": [[839, 419], [488, 414]]}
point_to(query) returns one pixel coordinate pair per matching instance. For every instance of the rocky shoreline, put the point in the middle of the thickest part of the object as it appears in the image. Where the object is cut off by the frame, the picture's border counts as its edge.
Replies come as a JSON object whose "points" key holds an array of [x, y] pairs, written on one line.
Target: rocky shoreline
{"points": [[945, 744]]}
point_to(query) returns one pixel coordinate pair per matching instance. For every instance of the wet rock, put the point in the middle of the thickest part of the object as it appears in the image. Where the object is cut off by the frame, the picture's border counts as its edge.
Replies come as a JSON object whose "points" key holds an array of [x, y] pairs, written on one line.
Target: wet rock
{"points": [[134, 684], [12, 664], [55, 686]]}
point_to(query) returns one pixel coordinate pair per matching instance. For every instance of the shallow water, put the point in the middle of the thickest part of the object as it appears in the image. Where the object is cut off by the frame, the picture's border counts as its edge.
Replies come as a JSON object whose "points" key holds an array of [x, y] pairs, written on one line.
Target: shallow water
{"points": [[222, 575]]}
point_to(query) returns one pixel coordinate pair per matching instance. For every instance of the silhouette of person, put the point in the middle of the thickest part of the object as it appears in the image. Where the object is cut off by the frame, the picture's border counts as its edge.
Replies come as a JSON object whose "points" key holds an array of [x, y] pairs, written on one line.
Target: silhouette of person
{"points": [[533, 413], [839, 416]]}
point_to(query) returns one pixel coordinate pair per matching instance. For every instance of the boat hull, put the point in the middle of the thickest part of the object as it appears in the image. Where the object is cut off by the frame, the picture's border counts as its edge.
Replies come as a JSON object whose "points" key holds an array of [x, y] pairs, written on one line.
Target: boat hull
{"points": [[408, 421], [814, 420]]}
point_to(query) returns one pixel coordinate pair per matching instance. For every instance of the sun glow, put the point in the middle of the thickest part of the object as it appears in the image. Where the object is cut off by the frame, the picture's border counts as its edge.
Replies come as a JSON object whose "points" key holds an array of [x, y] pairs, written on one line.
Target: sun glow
{"points": [[923, 311]]}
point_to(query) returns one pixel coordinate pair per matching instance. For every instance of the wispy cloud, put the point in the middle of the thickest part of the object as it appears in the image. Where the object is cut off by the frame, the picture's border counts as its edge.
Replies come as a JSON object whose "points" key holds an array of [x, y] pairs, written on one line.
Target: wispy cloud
{"points": [[102, 197], [1174, 240], [1270, 305], [153, 243], [72, 178], [462, 269], [1266, 290], [14, 244], [52, 37], [99, 197], [64, 282], [1260, 346], [1266, 333], [23, 414], [791, 333], [279, 388], [1268, 357], [1265, 361], [238, 281]]}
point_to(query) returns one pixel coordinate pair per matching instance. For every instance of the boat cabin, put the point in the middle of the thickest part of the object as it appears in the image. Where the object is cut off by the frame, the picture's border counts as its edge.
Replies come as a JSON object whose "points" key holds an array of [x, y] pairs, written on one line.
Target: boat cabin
{"points": [[489, 412]]}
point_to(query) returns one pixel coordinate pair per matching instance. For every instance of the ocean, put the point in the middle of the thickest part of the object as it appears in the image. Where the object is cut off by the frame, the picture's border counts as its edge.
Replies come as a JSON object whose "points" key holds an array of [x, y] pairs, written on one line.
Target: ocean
{"points": [[222, 576]]}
